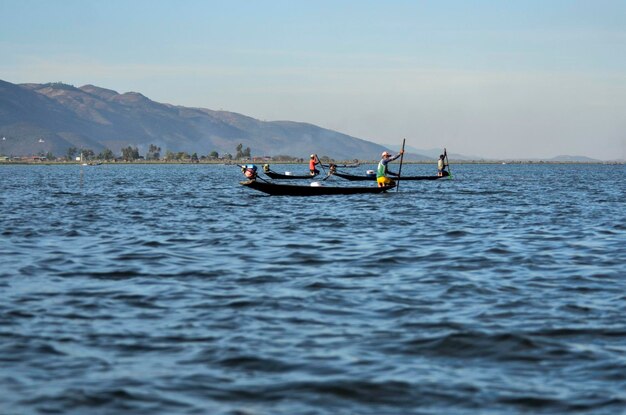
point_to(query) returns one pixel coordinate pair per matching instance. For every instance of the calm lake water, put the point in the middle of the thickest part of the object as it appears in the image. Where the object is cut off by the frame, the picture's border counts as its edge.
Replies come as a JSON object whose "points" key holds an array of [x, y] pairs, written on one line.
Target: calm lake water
{"points": [[170, 289]]}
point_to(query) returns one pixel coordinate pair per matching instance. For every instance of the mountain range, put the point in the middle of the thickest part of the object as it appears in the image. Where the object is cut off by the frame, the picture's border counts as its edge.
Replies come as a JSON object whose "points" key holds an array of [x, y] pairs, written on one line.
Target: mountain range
{"points": [[54, 117], [434, 153]]}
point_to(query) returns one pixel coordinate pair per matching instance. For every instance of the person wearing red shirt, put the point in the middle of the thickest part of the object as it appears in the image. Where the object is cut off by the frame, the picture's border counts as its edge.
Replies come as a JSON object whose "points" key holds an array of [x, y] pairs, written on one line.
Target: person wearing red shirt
{"points": [[312, 163]]}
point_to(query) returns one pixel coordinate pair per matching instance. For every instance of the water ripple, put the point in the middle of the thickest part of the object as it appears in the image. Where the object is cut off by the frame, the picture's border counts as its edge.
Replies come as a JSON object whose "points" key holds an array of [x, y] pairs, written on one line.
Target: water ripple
{"points": [[171, 289]]}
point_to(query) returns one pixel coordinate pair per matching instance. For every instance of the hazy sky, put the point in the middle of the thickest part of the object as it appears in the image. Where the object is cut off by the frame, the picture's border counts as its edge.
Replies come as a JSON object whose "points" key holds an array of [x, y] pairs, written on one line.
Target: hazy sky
{"points": [[505, 79]]}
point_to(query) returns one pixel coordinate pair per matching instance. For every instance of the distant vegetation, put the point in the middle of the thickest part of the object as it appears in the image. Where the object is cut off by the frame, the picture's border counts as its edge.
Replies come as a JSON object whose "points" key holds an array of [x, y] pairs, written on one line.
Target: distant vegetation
{"points": [[132, 154]]}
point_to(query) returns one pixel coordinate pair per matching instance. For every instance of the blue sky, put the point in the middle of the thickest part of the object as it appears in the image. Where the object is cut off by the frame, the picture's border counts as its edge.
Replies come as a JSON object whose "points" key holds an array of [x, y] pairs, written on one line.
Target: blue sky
{"points": [[490, 78]]}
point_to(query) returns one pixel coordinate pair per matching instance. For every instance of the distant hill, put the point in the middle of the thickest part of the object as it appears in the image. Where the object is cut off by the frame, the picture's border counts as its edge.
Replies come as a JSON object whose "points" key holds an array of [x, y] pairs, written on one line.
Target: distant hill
{"points": [[53, 117], [433, 153], [577, 159]]}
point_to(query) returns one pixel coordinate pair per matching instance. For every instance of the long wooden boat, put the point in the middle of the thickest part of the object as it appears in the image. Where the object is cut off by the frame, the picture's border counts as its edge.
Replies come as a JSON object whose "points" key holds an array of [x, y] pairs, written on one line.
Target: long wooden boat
{"points": [[276, 189], [280, 176], [353, 177], [344, 166]]}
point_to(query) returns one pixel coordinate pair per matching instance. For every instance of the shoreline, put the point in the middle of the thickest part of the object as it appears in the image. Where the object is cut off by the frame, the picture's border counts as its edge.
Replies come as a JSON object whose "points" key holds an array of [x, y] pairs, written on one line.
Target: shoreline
{"points": [[369, 162]]}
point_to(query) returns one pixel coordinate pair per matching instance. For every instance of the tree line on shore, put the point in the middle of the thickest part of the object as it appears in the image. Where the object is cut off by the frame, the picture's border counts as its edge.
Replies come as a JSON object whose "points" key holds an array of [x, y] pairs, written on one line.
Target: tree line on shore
{"points": [[154, 153]]}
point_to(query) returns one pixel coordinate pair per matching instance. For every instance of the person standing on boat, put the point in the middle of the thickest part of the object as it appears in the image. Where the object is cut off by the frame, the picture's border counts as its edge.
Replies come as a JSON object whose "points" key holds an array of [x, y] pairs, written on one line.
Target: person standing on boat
{"points": [[312, 163], [381, 174], [441, 166]]}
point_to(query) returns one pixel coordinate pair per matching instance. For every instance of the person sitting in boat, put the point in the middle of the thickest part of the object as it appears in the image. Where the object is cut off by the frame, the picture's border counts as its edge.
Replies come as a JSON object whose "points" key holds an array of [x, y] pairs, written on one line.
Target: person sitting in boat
{"points": [[382, 172], [312, 163], [266, 168], [441, 166], [249, 170], [332, 168]]}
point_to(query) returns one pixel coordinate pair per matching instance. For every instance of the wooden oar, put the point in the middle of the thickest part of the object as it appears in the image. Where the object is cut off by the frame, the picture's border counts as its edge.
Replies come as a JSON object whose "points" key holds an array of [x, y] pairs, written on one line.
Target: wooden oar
{"points": [[400, 168], [318, 159]]}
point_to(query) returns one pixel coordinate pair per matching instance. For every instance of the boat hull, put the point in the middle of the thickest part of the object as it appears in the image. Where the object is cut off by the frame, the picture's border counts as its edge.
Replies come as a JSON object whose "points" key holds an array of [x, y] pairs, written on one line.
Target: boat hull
{"points": [[353, 177], [343, 166], [293, 190], [279, 176]]}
